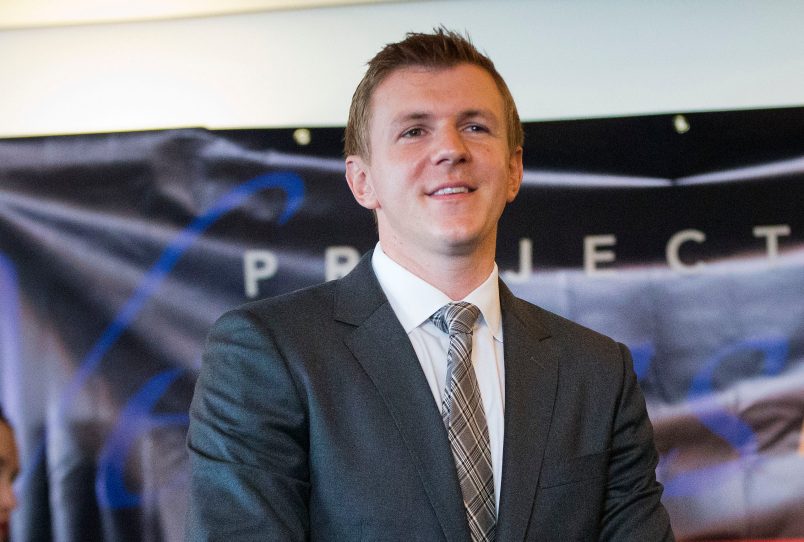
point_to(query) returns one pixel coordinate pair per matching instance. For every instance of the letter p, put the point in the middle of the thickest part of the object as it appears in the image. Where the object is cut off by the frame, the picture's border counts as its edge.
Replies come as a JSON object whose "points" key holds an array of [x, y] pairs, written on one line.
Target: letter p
{"points": [[258, 265]]}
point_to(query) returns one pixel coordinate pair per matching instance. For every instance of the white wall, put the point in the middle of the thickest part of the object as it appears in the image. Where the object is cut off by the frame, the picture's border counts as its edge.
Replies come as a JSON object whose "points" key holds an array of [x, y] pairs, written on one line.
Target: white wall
{"points": [[561, 58]]}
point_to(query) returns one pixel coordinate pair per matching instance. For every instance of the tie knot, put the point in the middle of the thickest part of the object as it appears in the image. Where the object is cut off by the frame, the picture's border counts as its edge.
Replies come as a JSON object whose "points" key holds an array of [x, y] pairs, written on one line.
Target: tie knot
{"points": [[455, 318]]}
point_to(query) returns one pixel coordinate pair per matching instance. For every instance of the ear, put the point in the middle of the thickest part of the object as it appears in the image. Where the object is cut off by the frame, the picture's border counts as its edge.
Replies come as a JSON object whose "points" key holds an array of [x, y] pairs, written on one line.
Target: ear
{"points": [[358, 176], [515, 171]]}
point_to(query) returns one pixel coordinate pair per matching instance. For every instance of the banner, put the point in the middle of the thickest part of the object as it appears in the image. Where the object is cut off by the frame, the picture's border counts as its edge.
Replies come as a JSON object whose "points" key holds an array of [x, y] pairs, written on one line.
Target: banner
{"points": [[681, 236]]}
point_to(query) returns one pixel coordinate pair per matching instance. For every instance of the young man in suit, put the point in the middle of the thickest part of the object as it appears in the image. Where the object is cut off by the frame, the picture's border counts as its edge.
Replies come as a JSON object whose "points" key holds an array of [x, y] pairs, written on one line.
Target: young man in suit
{"points": [[361, 410]]}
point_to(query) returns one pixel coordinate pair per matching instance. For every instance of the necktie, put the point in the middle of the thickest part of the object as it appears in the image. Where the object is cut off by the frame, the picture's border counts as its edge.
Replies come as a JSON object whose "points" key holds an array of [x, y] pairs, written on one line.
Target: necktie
{"points": [[462, 411]]}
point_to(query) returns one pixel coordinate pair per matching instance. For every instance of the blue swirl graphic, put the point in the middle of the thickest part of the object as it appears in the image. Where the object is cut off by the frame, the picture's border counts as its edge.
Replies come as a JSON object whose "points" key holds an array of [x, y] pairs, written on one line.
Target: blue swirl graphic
{"points": [[135, 419], [716, 417], [723, 423], [293, 187]]}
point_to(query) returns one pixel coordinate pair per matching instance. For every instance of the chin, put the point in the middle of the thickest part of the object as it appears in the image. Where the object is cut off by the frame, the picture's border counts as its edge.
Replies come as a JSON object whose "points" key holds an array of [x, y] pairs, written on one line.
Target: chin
{"points": [[463, 239], [461, 246]]}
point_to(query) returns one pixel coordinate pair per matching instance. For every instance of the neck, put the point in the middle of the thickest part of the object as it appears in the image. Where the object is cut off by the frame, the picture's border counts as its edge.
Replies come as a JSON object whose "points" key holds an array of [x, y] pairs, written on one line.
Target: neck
{"points": [[454, 274]]}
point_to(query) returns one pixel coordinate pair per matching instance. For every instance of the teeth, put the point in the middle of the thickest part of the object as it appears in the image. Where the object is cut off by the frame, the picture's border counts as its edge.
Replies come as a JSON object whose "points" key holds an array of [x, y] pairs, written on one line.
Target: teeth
{"points": [[453, 190]]}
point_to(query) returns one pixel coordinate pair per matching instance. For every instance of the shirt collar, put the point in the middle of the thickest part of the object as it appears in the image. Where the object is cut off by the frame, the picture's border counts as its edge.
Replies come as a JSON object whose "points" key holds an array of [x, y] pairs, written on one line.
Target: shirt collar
{"points": [[414, 300]]}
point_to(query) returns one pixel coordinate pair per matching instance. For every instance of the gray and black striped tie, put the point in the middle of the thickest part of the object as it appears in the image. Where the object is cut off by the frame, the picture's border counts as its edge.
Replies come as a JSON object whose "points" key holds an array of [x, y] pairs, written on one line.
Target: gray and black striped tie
{"points": [[462, 410]]}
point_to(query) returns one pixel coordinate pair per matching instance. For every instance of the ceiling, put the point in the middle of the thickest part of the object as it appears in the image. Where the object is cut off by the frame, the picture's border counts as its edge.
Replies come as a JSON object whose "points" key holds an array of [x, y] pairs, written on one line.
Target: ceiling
{"points": [[19, 14]]}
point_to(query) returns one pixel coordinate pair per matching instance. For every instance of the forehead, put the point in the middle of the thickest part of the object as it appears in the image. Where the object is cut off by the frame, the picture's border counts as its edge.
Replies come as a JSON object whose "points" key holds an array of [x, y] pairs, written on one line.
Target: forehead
{"points": [[436, 91]]}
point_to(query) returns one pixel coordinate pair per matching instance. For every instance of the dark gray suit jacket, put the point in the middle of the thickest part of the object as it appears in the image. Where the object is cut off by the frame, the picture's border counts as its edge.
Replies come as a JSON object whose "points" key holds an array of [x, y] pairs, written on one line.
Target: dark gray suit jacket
{"points": [[312, 420]]}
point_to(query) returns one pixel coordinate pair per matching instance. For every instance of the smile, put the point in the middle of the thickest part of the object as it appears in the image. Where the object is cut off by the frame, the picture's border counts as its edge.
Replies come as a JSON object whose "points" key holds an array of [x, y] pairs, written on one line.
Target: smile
{"points": [[451, 190]]}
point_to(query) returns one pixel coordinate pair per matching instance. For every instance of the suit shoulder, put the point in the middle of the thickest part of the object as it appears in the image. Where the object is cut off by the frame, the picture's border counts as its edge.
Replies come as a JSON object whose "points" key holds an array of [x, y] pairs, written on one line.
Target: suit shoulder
{"points": [[304, 304], [562, 328], [587, 359]]}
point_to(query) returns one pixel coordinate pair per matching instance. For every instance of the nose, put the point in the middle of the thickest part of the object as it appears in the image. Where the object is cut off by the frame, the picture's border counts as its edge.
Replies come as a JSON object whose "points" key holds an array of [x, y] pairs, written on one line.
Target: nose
{"points": [[449, 147], [8, 499]]}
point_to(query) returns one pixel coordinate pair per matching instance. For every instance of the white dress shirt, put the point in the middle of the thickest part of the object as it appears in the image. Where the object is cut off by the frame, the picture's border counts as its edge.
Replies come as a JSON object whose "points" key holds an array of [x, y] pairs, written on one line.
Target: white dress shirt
{"points": [[414, 301]]}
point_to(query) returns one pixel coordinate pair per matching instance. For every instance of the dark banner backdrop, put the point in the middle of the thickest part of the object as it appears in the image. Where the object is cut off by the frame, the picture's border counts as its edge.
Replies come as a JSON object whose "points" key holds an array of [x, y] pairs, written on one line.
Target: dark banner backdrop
{"points": [[681, 236]]}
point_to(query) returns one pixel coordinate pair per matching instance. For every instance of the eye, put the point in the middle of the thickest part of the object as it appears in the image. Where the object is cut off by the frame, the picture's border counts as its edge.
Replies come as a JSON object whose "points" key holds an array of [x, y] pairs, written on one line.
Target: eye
{"points": [[412, 132], [477, 128]]}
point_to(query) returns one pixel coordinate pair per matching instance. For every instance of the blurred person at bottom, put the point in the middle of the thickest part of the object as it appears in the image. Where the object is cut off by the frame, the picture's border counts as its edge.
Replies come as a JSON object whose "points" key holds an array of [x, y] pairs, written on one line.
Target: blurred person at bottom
{"points": [[9, 467]]}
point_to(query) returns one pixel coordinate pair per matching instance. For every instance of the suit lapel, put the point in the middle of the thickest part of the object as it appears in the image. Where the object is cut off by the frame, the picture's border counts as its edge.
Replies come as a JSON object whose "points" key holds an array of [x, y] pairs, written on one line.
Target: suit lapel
{"points": [[382, 347], [531, 378]]}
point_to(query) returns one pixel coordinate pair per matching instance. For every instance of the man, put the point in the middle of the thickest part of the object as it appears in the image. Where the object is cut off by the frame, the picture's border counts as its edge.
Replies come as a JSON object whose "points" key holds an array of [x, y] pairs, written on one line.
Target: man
{"points": [[359, 410]]}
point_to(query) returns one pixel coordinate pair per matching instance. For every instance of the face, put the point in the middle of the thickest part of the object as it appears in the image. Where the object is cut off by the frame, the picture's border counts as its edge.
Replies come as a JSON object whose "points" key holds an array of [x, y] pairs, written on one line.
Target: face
{"points": [[9, 467], [440, 171]]}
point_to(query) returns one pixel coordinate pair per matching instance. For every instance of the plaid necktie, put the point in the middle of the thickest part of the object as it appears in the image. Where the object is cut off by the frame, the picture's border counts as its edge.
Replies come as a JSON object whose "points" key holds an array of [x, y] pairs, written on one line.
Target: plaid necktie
{"points": [[462, 410]]}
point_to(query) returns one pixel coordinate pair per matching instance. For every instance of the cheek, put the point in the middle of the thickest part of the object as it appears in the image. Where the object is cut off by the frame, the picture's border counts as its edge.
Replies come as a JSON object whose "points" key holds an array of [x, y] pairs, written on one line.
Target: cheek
{"points": [[415, 172], [406, 172], [399, 179], [407, 162]]}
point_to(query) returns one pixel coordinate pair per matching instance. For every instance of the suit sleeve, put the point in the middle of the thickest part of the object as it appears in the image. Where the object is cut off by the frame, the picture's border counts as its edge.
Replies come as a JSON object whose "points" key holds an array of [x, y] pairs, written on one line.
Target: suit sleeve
{"points": [[247, 440], [633, 509]]}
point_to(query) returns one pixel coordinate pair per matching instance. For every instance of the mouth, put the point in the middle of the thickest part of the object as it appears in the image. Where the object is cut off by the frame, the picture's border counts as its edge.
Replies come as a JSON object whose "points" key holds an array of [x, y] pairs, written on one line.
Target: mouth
{"points": [[449, 190]]}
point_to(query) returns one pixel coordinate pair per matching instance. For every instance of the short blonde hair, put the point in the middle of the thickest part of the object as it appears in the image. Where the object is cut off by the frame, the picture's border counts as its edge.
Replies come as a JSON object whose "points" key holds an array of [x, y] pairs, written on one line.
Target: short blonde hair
{"points": [[441, 49]]}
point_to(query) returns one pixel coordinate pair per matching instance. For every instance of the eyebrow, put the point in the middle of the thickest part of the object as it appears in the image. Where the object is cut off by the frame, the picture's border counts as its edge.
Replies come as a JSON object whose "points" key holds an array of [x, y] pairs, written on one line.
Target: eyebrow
{"points": [[412, 116], [474, 113], [463, 115]]}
